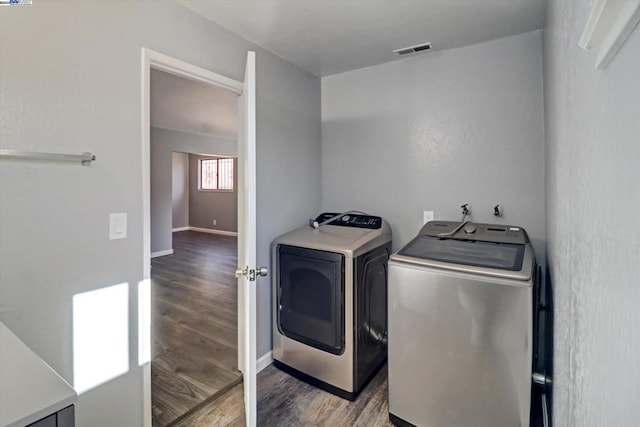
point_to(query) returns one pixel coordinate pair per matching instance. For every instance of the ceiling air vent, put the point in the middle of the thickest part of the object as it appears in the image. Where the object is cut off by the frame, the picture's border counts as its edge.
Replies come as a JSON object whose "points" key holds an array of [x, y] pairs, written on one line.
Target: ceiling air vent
{"points": [[413, 49]]}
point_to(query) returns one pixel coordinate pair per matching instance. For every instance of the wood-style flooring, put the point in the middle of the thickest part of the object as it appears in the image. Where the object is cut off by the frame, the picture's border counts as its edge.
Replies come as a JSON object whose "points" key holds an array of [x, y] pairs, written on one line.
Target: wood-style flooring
{"points": [[195, 381], [193, 325], [284, 401], [194, 376]]}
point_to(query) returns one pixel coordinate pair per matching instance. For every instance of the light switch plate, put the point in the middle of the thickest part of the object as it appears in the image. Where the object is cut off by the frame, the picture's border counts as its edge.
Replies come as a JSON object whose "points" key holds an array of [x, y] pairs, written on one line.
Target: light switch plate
{"points": [[117, 226], [427, 216]]}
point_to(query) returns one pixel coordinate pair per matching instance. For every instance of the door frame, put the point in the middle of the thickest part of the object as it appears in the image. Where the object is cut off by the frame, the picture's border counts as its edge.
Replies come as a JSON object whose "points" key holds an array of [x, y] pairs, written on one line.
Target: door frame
{"points": [[159, 61]]}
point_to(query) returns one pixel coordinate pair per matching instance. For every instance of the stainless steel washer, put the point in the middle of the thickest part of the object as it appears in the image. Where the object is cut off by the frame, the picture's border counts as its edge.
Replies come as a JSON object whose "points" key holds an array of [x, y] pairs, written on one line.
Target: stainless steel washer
{"points": [[330, 301], [460, 327]]}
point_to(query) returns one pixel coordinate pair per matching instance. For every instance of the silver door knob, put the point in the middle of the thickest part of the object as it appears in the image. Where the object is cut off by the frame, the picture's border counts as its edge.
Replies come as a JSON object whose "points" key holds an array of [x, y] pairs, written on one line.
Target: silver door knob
{"points": [[242, 272], [251, 274]]}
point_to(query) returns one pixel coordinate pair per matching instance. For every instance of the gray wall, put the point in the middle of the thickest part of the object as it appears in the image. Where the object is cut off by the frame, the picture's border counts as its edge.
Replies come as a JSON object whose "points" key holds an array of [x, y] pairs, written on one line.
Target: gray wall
{"points": [[163, 143], [593, 200], [205, 206], [180, 190], [435, 131], [288, 156], [80, 90]]}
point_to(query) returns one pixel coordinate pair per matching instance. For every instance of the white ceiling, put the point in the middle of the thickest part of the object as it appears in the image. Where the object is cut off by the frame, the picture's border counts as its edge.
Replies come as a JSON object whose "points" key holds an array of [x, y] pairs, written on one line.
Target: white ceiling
{"points": [[189, 106], [327, 37]]}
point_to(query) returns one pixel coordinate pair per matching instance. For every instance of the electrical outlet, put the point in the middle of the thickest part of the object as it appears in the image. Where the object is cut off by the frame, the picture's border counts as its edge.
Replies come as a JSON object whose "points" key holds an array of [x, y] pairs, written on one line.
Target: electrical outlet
{"points": [[215, 222], [428, 216]]}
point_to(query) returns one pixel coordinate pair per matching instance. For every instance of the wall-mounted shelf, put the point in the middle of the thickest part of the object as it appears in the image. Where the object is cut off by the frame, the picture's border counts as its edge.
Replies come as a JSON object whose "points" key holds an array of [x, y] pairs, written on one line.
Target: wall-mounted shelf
{"points": [[85, 158], [609, 25]]}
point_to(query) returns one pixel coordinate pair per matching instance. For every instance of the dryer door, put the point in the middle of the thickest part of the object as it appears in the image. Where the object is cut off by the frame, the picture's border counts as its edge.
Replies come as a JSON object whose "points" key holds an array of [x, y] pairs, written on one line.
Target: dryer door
{"points": [[311, 297]]}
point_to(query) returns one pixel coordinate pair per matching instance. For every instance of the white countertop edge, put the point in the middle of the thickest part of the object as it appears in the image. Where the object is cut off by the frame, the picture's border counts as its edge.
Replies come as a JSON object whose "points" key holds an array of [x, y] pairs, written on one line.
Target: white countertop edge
{"points": [[44, 412], [29, 388]]}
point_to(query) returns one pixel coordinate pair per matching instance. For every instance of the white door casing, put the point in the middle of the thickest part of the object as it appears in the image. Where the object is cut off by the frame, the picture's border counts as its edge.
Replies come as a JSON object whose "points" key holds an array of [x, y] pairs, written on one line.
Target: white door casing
{"points": [[247, 239], [246, 212]]}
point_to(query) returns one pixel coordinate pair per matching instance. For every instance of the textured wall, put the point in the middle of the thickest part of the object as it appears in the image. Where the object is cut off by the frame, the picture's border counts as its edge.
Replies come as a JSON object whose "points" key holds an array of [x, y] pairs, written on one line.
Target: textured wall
{"points": [[180, 190], [163, 143], [288, 150], [70, 82], [592, 122], [435, 131], [205, 206]]}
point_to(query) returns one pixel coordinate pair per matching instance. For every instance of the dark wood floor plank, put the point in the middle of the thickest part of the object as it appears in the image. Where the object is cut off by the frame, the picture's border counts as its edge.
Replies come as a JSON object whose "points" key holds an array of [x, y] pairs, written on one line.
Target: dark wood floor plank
{"points": [[286, 401], [186, 320], [201, 323], [196, 370], [198, 281], [216, 315], [189, 275], [194, 324], [177, 296], [211, 350], [228, 410], [171, 396]]}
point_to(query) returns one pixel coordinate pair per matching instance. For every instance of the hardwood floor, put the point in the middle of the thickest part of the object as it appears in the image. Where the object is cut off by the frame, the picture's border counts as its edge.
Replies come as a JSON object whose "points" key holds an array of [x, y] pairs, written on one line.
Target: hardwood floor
{"points": [[194, 375], [194, 325], [227, 410], [195, 381], [284, 401]]}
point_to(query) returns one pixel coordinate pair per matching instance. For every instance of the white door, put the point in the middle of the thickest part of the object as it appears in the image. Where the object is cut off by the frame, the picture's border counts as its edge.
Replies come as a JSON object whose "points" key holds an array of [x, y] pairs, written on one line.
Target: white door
{"points": [[247, 270]]}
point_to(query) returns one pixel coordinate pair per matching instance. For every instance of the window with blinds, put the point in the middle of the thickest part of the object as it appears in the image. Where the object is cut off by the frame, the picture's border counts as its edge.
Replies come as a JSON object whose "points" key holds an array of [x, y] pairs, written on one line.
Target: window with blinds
{"points": [[216, 174]]}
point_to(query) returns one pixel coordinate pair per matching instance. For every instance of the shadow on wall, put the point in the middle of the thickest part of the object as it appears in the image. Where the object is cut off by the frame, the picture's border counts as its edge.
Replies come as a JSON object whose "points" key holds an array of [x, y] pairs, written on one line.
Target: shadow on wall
{"points": [[543, 353], [548, 336]]}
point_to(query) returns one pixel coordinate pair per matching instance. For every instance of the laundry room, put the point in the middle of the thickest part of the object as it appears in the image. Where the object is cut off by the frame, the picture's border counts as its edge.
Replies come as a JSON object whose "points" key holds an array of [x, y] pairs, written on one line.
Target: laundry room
{"points": [[379, 144], [396, 144]]}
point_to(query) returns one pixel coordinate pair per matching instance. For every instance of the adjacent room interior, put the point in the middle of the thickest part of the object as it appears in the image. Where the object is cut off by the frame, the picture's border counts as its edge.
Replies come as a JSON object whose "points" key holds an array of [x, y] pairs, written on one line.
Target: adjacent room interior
{"points": [[194, 198]]}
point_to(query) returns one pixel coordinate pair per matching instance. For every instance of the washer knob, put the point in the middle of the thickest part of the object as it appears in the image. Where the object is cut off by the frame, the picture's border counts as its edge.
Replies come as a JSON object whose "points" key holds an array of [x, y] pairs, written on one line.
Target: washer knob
{"points": [[469, 229]]}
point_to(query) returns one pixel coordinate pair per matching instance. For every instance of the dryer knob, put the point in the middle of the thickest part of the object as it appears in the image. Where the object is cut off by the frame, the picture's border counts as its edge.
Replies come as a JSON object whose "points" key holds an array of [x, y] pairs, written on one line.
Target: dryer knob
{"points": [[469, 229]]}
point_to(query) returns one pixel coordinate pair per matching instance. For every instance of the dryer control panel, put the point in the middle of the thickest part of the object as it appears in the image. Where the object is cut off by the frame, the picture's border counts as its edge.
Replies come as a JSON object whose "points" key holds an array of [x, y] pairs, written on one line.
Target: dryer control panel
{"points": [[351, 220]]}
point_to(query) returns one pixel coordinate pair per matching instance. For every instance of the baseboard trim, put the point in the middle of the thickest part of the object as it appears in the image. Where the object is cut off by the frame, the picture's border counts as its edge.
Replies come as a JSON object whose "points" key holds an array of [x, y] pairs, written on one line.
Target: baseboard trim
{"points": [[264, 361], [205, 230], [212, 231], [161, 253]]}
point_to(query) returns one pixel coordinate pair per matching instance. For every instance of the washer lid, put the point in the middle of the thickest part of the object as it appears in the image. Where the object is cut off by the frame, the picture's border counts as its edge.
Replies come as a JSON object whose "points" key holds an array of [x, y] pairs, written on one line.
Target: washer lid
{"points": [[496, 233], [501, 256]]}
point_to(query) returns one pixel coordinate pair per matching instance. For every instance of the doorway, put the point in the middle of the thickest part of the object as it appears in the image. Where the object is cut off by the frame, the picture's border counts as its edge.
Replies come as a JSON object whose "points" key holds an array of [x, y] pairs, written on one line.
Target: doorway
{"points": [[194, 292], [194, 325], [245, 147]]}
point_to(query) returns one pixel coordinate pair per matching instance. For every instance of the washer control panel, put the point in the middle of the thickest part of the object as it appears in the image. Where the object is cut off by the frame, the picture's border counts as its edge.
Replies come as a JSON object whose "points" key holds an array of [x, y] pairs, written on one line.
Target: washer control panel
{"points": [[496, 233], [351, 220]]}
